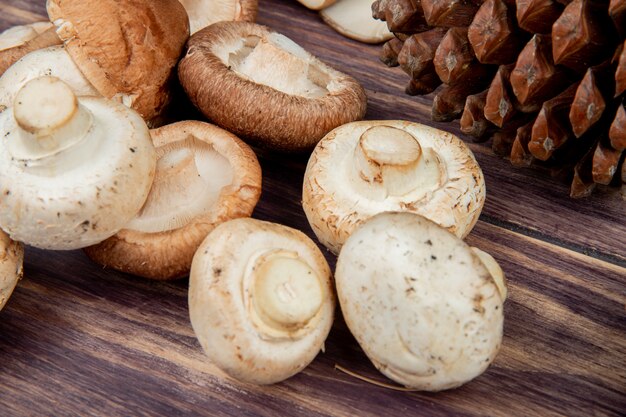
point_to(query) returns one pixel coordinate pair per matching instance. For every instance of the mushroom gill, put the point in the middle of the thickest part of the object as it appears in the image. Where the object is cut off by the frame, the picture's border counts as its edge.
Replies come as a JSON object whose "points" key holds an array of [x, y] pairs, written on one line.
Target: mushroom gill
{"points": [[189, 178], [277, 62]]}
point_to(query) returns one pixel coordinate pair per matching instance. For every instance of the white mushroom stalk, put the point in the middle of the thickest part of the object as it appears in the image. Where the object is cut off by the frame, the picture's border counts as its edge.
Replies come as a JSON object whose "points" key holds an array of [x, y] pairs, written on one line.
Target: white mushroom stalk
{"points": [[420, 302], [364, 168], [262, 315], [72, 171]]}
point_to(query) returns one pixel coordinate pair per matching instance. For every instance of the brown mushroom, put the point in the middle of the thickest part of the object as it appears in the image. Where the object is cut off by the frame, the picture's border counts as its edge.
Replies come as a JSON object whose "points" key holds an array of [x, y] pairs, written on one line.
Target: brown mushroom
{"points": [[203, 13], [205, 176], [264, 87], [126, 49]]}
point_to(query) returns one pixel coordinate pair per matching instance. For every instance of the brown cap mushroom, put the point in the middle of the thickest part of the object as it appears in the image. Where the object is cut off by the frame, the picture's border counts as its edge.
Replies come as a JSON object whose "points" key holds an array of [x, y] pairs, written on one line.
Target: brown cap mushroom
{"points": [[72, 171], [260, 300], [419, 301], [205, 176], [203, 13], [353, 19], [265, 88], [11, 262], [126, 49], [364, 168]]}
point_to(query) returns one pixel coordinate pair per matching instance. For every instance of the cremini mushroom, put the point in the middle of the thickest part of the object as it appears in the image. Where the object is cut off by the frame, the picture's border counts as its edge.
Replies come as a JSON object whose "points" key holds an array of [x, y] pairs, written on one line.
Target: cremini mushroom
{"points": [[353, 19], [203, 13], [72, 171], [125, 49], [205, 176], [18, 41], [316, 4], [265, 88], [261, 300], [368, 167], [419, 301], [11, 262]]}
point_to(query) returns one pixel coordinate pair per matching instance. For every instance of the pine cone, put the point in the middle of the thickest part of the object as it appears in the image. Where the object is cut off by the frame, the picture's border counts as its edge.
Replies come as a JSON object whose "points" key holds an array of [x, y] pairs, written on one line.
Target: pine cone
{"points": [[544, 79]]}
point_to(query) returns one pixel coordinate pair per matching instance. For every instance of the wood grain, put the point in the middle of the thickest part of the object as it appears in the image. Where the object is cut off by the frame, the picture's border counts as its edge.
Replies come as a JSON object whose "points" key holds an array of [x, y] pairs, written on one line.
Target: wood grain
{"points": [[79, 340]]}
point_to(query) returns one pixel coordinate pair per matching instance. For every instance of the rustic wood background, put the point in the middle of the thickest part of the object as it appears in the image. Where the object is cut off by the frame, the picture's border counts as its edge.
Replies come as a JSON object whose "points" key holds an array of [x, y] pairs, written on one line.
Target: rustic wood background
{"points": [[79, 340]]}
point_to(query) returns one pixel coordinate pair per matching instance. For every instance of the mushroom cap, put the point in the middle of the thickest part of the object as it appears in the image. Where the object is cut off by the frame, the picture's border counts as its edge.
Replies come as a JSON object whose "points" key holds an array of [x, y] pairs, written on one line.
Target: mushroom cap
{"points": [[11, 262], [260, 300], [316, 4], [73, 171], [160, 242], [18, 35], [419, 301], [265, 88], [203, 13], [353, 19], [52, 61], [448, 188], [126, 48]]}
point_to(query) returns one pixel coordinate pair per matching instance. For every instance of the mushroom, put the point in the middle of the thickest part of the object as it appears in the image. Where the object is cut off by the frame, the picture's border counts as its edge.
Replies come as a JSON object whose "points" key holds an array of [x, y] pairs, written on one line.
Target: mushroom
{"points": [[353, 19], [11, 262], [263, 87], [316, 4], [364, 168], [72, 171], [204, 176], [125, 49], [203, 13], [18, 41], [261, 300], [419, 301]]}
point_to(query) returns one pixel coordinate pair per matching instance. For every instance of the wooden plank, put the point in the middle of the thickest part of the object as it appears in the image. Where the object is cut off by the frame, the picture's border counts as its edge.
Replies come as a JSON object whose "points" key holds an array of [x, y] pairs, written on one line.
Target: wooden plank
{"points": [[87, 340], [79, 340]]}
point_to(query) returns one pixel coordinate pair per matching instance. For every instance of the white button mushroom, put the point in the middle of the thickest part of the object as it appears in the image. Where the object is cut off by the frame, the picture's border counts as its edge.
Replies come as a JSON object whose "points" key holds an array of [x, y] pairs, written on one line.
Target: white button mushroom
{"points": [[353, 19], [203, 13], [205, 176], [11, 261], [265, 88], [72, 171], [364, 168], [18, 41], [260, 300], [419, 301]]}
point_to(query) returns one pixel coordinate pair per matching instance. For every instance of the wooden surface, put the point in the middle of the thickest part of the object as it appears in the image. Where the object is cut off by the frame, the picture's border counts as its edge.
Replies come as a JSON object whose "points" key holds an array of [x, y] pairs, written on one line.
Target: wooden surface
{"points": [[79, 340]]}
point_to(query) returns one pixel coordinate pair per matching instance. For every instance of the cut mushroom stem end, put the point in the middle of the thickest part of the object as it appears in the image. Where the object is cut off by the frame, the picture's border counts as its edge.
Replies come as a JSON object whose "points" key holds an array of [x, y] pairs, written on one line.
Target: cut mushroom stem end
{"points": [[287, 292], [391, 161], [49, 117]]}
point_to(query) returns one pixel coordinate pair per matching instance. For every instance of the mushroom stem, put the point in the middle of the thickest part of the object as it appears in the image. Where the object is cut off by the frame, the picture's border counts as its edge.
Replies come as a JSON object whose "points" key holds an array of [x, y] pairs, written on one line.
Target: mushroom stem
{"points": [[286, 293], [391, 162], [494, 269], [49, 118]]}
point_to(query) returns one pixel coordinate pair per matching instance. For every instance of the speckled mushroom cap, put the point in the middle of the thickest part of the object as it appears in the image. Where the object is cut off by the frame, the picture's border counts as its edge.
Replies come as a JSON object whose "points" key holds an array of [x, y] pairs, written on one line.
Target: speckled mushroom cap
{"points": [[419, 301], [265, 88], [126, 48], [72, 171], [11, 262], [205, 176], [260, 300], [203, 13], [364, 168]]}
